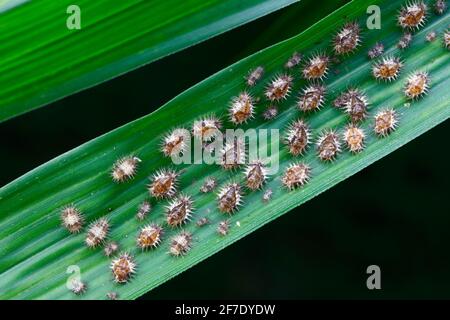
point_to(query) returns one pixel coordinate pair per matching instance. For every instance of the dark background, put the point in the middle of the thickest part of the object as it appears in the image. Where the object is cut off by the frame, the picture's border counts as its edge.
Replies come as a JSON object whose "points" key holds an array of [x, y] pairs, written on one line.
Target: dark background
{"points": [[394, 214]]}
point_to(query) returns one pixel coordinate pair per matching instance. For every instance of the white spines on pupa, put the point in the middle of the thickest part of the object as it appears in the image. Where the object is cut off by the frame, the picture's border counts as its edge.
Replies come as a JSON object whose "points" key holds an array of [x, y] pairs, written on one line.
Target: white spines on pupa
{"points": [[298, 137], [405, 40], [164, 184], [143, 210], [233, 154], [255, 174], [242, 108], [417, 85], [376, 51], [229, 198], [72, 219], [347, 39], [446, 39], [149, 236], [206, 128], [223, 228], [354, 137], [125, 168], [353, 102], [440, 6], [97, 232], [179, 210], [328, 145], [110, 248], [296, 175], [254, 76], [386, 121], [270, 112], [123, 267], [387, 69], [77, 286], [175, 143], [413, 15], [312, 98], [180, 244], [294, 60], [279, 88], [316, 68]]}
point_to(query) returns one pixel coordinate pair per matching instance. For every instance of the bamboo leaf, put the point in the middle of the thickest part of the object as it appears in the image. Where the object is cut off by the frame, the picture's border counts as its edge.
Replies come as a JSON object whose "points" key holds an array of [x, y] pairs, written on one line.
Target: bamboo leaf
{"points": [[43, 61], [35, 251]]}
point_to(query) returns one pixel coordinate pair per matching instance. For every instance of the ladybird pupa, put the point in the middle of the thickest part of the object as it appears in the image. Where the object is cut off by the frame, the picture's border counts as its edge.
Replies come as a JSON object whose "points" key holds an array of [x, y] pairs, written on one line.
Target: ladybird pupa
{"points": [[72, 219], [78, 287], [144, 209], [440, 6], [405, 40], [242, 108], [233, 154], [354, 137], [376, 51], [229, 198], [298, 137], [271, 112], [123, 268], [97, 232], [206, 128], [316, 67], [413, 15], [446, 39], [279, 88], [296, 175], [176, 142], [431, 36], [386, 121], [347, 39], [208, 185], [354, 102], [149, 236], [179, 210], [255, 174], [387, 69], [293, 61], [125, 168], [110, 248], [164, 184], [417, 85], [254, 75], [181, 244], [328, 145], [223, 227], [312, 98]]}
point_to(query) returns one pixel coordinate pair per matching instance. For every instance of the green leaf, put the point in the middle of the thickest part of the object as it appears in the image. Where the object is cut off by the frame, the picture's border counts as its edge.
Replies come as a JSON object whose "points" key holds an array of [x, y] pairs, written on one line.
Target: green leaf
{"points": [[35, 251], [43, 61]]}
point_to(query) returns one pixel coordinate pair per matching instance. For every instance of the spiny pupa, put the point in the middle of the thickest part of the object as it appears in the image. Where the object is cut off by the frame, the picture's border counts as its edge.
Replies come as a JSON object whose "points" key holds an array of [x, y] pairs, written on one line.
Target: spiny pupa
{"points": [[376, 51], [354, 137], [164, 184], [413, 15], [387, 69], [233, 154], [209, 185], [347, 39], [255, 175], [328, 145], [353, 102], [298, 137], [223, 227], [431, 36], [123, 268], [316, 68], [149, 236], [125, 168], [110, 248], [179, 210], [417, 84], [385, 122], [206, 128], [293, 61], [202, 222], [446, 39], [78, 287], [312, 98], [97, 232], [279, 88], [405, 40], [254, 75], [296, 175], [72, 219], [229, 198], [440, 6], [180, 244], [271, 112], [176, 142], [242, 108], [144, 208]]}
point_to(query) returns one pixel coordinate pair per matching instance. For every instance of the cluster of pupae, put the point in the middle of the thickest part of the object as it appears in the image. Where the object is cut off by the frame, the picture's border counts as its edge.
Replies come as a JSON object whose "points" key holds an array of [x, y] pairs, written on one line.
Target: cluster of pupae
{"points": [[164, 184]]}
